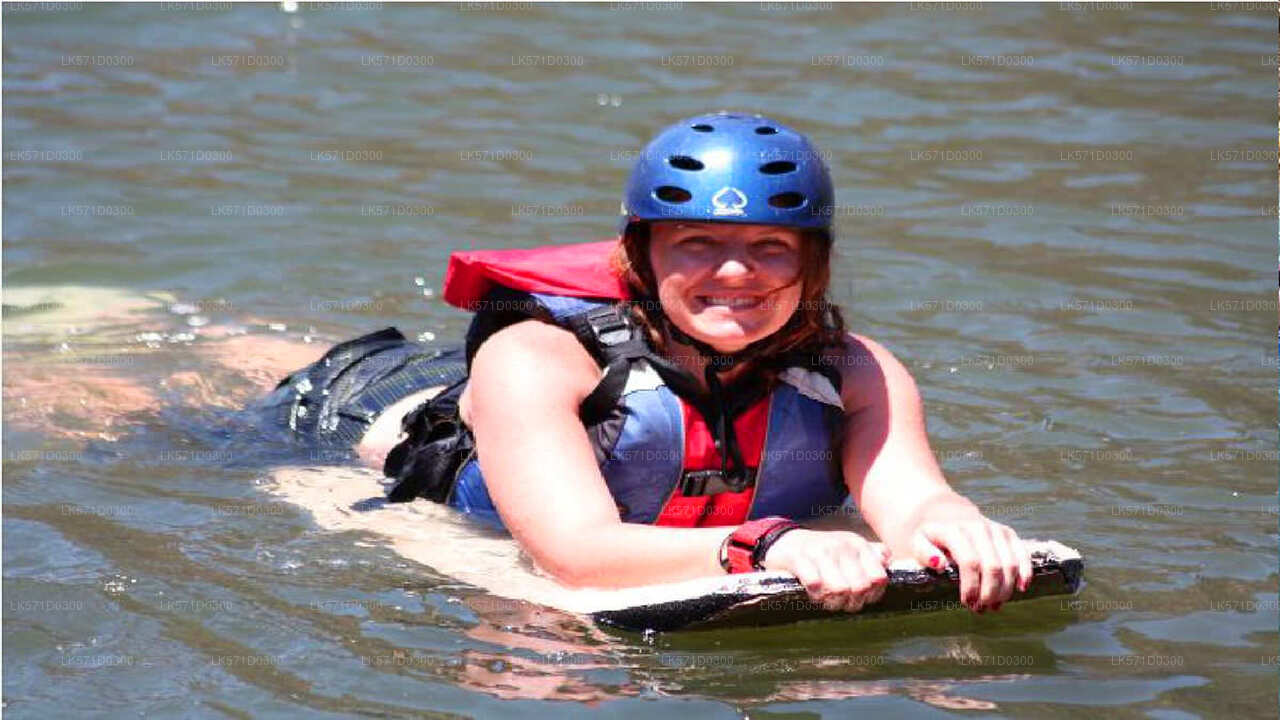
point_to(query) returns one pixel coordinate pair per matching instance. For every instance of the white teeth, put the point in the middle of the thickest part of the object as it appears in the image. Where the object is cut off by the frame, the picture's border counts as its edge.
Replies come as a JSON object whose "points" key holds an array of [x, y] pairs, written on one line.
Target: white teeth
{"points": [[732, 302]]}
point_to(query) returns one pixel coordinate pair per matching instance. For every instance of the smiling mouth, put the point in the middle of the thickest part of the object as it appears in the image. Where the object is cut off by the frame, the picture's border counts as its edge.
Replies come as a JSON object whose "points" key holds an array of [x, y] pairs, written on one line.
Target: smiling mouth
{"points": [[732, 302]]}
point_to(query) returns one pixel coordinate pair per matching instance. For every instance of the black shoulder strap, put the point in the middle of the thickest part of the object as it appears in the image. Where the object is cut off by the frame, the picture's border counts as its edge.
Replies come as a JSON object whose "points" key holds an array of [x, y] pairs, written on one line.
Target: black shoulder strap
{"points": [[607, 333], [615, 342]]}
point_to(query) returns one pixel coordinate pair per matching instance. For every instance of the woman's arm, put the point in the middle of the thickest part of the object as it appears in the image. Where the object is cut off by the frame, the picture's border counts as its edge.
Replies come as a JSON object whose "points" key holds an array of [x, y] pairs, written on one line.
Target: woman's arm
{"points": [[892, 474], [527, 382]]}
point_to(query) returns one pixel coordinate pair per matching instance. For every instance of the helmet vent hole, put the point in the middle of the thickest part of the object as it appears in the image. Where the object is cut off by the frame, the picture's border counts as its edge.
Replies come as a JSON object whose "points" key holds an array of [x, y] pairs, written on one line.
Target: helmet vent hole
{"points": [[766, 130], [673, 194], [702, 127], [684, 162], [787, 200], [778, 167]]}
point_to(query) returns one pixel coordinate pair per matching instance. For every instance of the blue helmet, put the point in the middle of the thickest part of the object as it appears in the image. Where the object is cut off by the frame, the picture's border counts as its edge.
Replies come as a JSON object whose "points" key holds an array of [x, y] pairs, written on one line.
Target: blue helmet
{"points": [[728, 167]]}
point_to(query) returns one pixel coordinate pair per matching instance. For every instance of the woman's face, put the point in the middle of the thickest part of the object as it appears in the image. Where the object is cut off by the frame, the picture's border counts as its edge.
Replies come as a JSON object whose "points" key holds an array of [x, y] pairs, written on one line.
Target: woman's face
{"points": [[725, 284]]}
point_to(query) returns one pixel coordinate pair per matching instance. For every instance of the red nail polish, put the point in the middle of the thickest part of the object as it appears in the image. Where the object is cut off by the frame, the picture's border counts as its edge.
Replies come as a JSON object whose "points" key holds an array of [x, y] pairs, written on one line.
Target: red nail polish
{"points": [[935, 562]]}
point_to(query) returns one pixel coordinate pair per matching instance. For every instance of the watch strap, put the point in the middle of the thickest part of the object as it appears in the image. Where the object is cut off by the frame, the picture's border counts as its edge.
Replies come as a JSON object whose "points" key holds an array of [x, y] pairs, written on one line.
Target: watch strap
{"points": [[745, 549]]}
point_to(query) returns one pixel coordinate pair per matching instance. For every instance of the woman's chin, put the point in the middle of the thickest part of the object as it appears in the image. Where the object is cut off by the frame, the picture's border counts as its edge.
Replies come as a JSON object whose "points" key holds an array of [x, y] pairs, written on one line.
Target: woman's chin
{"points": [[727, 337]]}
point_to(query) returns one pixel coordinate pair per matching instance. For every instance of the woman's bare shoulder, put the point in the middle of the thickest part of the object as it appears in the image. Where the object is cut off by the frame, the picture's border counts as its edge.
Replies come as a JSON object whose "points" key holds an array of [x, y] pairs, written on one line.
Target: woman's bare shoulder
{"points": [[536, 355], [867, 370]]}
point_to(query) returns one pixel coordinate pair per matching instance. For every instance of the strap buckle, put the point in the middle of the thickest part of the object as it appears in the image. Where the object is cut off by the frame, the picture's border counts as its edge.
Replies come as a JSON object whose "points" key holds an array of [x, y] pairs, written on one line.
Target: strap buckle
{"points": [[713, 482], [609, 326]]}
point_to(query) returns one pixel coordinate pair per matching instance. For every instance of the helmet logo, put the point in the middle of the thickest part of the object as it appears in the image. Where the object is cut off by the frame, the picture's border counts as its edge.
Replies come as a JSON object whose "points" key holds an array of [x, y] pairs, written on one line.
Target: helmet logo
{"points": [[728, 200]]}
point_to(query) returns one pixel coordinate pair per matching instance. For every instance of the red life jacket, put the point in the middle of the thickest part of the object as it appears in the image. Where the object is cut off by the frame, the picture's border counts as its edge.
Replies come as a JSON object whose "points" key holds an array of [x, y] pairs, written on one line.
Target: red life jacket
{"points": [[579, 270]]}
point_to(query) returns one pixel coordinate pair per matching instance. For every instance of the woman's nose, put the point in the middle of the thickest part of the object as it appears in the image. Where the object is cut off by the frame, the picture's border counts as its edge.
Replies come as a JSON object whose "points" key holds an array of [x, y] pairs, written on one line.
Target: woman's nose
{"points": [[733, 265]]}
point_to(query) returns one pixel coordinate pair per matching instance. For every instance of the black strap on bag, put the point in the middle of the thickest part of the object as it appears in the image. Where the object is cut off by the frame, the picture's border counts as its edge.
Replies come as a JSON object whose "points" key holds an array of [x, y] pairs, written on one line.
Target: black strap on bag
{"points": [[427, 462]]}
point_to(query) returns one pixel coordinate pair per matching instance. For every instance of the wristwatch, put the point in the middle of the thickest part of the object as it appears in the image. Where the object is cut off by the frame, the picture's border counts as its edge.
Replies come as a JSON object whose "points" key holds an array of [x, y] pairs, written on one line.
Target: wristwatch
{"points": [[745, 548]]}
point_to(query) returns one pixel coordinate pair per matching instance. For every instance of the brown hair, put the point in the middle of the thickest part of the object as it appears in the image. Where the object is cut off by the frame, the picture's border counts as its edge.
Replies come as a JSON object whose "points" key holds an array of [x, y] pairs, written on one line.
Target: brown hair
{"points": [[816, 325]]}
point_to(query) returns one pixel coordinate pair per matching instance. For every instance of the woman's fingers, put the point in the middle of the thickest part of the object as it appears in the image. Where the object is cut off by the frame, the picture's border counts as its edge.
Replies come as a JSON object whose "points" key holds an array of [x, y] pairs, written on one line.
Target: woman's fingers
{"points": [[992, 560], [840, 571], [873, 560], [868, 580], [807, 575], [852, 572], [956, 544], [1012, 563], [843, 575], [1025, 571], [835, 586], [1004, 538], [989, 566], [834, 602], [927, 553]]}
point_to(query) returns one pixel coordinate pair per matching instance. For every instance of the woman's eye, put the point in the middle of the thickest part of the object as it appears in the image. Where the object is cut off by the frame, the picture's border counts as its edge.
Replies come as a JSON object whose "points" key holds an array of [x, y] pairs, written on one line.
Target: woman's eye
{"points": [[773, 245], [696, 242]]}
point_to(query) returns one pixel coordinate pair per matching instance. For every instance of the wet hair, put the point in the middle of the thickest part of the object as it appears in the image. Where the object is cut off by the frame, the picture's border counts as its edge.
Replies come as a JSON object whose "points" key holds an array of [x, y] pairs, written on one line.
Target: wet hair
{"points": [[816, 325]]}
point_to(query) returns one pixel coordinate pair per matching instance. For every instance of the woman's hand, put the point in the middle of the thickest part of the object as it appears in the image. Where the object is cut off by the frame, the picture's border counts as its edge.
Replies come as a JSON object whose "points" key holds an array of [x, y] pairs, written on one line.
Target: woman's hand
{"points": [[991, 558], [840, 570]]}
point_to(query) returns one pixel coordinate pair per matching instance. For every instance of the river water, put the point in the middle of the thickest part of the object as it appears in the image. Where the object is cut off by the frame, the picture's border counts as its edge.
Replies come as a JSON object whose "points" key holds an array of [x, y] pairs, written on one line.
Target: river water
{"points": [[1061, 217]]}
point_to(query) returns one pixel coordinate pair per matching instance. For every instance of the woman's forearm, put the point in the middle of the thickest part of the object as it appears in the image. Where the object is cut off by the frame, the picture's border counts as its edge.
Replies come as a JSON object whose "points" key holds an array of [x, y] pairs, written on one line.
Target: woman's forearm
{"points": [[896, 529], [629, 554]]}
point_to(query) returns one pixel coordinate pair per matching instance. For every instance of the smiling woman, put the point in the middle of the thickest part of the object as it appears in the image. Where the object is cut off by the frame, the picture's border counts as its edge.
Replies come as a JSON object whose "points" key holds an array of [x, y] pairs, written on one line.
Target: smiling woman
{"points": [[737, 284], [674, 404], [747, 266]]}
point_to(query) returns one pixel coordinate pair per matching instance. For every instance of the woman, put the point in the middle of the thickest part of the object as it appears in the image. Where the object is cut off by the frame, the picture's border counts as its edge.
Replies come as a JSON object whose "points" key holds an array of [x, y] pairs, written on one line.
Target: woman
{"points": [[667, 406]]}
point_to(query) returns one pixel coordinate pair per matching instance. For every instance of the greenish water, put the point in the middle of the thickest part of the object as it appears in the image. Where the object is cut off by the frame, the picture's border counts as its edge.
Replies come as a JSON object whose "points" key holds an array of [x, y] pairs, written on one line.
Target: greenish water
{"points": [[1061, 217]]}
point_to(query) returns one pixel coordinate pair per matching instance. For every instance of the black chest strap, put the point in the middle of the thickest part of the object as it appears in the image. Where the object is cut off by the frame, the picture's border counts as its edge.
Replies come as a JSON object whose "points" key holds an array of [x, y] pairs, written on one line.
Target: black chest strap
{"points": [[615, 342]]}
